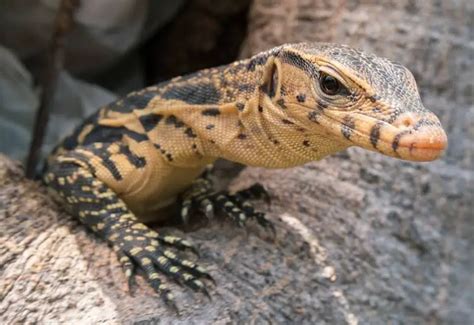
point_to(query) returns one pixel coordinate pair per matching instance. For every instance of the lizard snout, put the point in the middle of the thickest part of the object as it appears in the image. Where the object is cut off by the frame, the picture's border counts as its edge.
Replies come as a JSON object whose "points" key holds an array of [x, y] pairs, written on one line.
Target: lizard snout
{"points": [[420, 137]]}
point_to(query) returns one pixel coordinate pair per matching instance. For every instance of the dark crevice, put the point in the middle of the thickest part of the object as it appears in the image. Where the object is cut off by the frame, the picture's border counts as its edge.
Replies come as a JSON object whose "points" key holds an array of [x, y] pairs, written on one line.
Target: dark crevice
{"points": [[203, 34]]}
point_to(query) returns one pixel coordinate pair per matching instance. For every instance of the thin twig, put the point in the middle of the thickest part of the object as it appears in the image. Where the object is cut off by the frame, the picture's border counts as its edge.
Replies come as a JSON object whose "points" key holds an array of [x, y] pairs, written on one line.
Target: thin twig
{"points": [[63, 24]]}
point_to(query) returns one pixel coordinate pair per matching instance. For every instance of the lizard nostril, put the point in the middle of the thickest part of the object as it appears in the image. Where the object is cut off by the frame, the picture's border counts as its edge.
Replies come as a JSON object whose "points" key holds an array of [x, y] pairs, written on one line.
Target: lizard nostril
{"points": [[406, 121]]}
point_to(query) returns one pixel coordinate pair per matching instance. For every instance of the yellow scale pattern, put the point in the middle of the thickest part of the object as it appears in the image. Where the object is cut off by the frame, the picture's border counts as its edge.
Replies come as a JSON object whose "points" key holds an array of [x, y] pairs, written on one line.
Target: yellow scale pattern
{"points": [[281, 108]]}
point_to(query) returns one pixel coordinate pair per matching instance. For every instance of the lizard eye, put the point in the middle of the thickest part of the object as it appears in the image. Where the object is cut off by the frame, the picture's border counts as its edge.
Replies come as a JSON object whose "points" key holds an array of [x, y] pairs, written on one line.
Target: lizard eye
{"points": [[330, 85]]}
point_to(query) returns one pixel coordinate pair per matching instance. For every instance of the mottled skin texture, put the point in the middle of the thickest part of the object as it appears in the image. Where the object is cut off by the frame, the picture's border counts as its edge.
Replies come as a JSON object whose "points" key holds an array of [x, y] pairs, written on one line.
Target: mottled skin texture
{"points": [[281, 108]]}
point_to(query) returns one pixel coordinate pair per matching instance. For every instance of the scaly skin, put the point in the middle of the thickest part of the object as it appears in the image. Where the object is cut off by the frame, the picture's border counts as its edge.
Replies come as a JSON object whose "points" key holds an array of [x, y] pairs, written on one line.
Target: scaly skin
{"points": [[281, 108]]}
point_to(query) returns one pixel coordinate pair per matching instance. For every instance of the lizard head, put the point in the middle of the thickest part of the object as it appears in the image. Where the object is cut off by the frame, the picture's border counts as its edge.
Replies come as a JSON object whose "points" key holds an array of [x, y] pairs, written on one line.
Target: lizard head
{"points": [[351, 98]]}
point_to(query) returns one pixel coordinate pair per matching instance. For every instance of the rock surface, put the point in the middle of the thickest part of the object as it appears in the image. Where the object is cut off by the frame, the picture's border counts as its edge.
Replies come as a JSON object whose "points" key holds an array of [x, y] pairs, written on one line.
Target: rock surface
{"points": [[360, 238]]}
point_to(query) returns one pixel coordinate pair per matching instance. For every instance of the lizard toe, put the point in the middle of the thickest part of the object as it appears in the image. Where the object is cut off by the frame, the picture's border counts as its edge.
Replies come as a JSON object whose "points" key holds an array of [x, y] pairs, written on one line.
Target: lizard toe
{"points": [[128, 268], [153, 254], [178, 243], [255, 192]]}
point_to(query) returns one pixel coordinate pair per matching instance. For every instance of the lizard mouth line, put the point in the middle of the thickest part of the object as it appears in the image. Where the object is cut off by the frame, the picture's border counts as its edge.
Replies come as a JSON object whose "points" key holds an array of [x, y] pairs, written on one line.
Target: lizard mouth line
{"points": [[422, 143], [416, 151]]}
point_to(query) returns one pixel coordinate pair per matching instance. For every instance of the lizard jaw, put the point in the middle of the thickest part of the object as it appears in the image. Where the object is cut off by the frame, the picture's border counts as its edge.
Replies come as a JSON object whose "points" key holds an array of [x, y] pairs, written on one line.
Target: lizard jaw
{"points": [[412, 136], [419, 137]]}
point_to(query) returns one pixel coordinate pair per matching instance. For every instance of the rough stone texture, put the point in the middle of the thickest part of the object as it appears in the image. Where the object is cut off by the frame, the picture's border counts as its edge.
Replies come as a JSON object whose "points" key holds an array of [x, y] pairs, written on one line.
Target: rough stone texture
{"points": [[418, 217], [361, 238]]}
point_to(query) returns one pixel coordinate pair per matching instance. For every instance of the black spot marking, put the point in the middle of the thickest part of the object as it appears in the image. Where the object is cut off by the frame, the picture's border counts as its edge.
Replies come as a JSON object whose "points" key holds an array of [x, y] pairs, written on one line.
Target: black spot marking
{"points": [[347, 126], [260, 108], [301, 98], [190, 133], [425, 122], [242, 136], [392, 117], [321, 104], [138, 137], [257, 60], [136, 100], [198, 94], [70, 142], [150, 121], [313, 116], [210, 126], [158, 146], [104, 134], [285, 121], [396, 140], [245, 88], [169, 157], [373, 98], [240, 106], [281, 102], [376, 109], [172, 120], [375, 134], [352, 97], [306, 143], [110, 165], [194, 146], [211, 112], [275, 142], [135, 160]]}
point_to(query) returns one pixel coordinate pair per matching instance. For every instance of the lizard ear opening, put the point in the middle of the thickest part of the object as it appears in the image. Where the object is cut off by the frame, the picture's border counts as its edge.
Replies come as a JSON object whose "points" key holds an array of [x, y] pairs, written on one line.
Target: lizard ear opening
{"points": [[273, 82], [271, 79]]}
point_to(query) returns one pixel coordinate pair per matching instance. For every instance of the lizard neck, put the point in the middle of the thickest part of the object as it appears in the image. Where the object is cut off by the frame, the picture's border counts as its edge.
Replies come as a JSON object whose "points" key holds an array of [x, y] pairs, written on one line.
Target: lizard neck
{"points": [[259, 134], [223, 113], [255, 130], [195, 119]]}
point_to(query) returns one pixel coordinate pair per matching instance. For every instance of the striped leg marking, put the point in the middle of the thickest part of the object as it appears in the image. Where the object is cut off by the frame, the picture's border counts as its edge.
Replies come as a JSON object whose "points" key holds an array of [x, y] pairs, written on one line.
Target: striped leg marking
{"points": [[137, 246]]}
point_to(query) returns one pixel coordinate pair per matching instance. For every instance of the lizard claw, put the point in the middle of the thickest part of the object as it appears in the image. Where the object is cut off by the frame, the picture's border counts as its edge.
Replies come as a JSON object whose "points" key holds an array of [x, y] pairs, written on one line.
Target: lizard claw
{"points": [[203, 199], [149, 251]]}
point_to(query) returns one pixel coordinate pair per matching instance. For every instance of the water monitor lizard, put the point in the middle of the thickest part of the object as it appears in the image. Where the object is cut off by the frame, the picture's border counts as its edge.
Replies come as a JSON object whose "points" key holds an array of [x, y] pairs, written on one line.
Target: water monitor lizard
{"points": [[281, 108]]}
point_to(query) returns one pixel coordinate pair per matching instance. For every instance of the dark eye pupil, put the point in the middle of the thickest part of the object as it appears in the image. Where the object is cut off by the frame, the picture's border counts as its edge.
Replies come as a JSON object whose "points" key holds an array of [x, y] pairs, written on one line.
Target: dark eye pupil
{"points": [[330, 85]]}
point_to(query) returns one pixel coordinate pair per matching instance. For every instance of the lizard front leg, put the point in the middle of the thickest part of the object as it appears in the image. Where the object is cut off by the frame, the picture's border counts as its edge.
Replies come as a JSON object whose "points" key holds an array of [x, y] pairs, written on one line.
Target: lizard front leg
{"points": [[138, 247], [202, 197]]}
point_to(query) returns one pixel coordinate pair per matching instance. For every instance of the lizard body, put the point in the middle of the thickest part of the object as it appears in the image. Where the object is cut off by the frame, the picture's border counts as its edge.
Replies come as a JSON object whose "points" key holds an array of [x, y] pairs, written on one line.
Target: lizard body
{"points": [[281, 108]]}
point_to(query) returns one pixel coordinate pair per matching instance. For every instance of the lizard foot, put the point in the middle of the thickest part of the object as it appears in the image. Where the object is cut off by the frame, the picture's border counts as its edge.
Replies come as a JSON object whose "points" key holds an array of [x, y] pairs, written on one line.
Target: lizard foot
{"points": [[150, 252], [203, 199]]}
